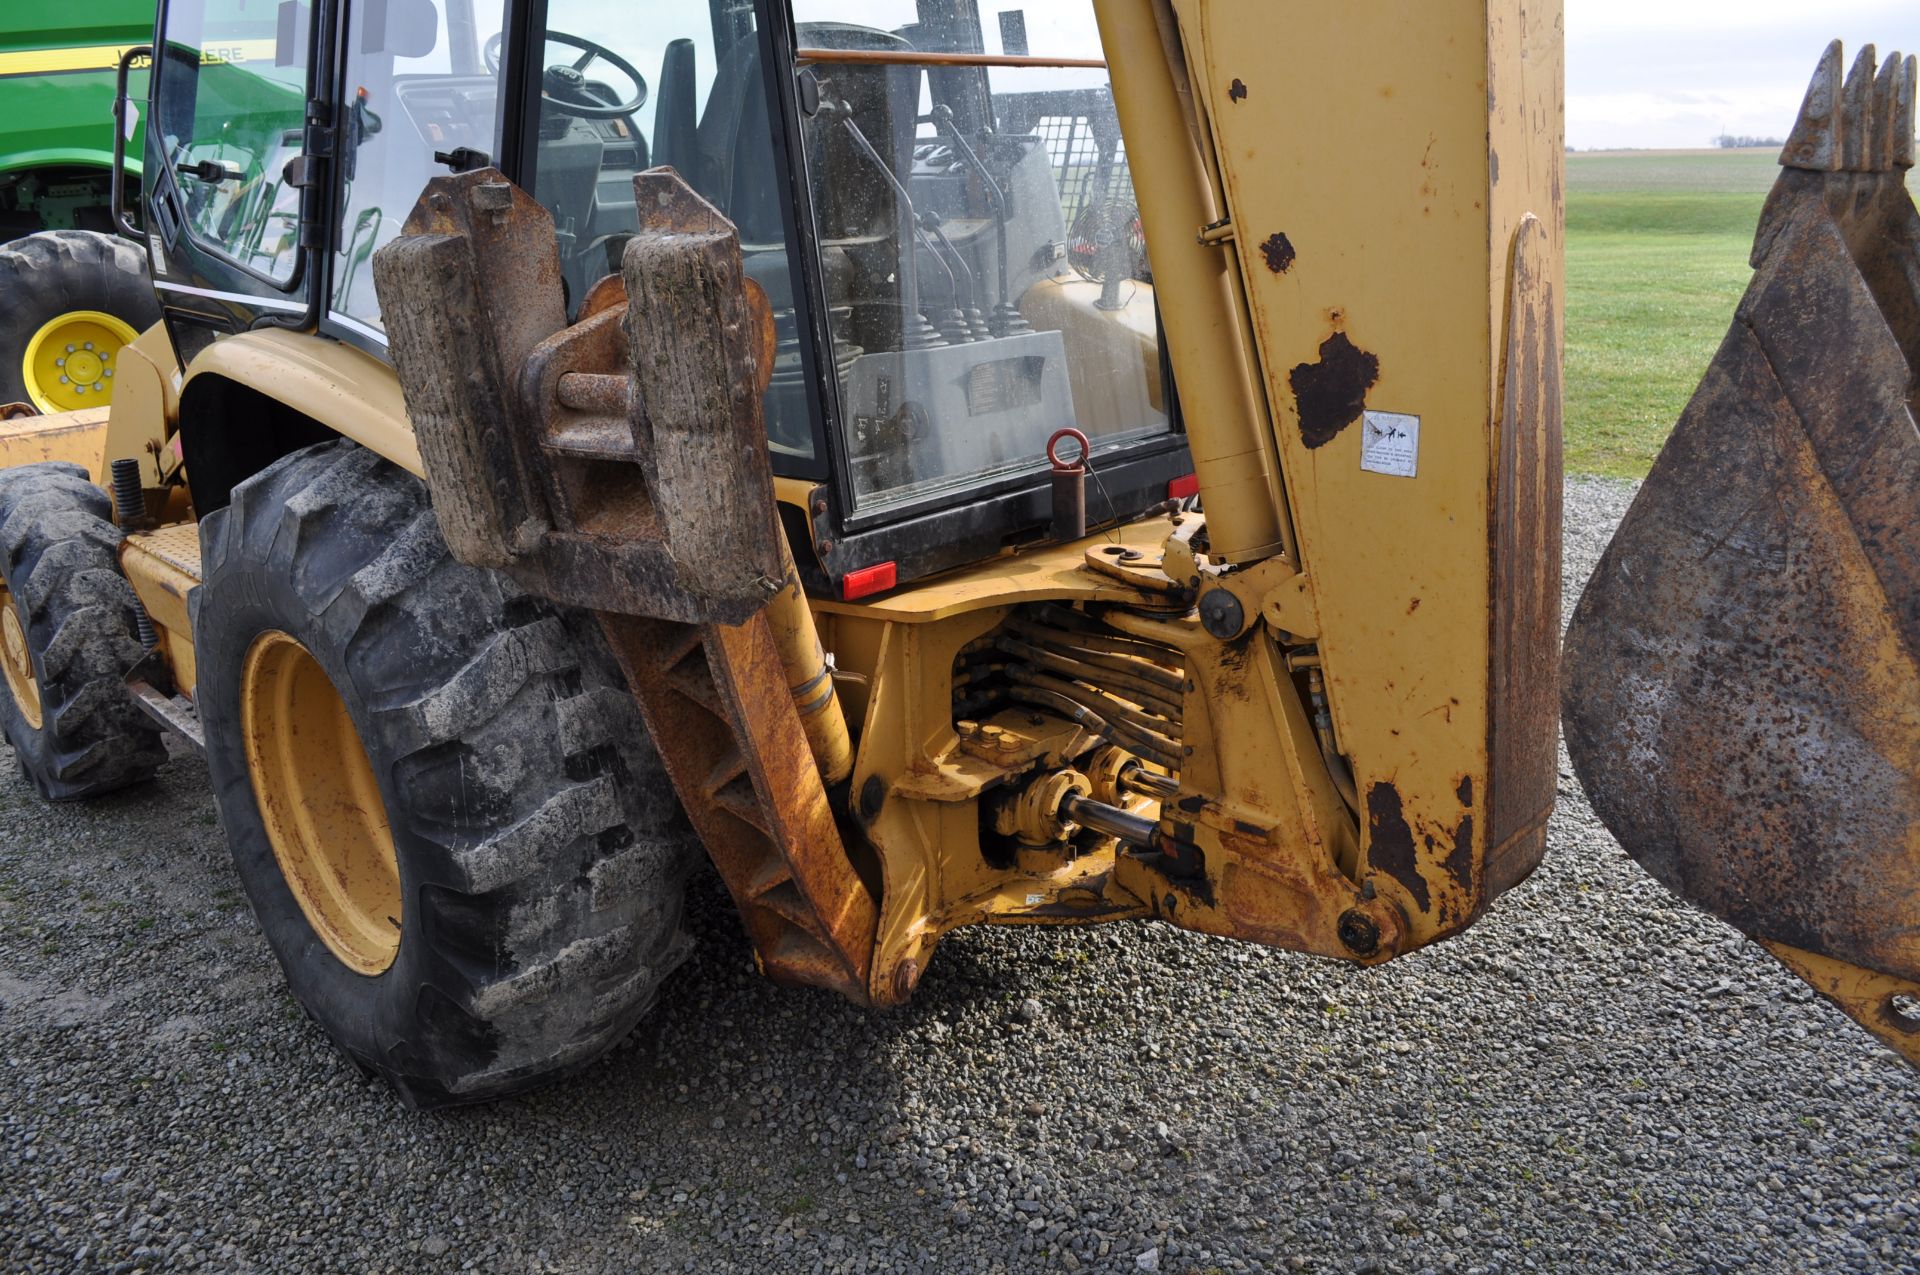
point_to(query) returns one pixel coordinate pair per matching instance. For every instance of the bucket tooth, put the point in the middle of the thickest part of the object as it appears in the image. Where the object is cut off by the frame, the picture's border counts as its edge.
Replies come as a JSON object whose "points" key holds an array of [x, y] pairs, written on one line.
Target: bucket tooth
{"points": [[1903, 98], [1814, 143], [1859, 123], [1885, 117], [1856, 113]]}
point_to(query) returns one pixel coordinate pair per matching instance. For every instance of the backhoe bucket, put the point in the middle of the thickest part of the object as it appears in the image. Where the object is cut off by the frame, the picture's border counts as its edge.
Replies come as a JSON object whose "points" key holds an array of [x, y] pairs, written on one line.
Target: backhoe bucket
{"points": [[1741, 693]]}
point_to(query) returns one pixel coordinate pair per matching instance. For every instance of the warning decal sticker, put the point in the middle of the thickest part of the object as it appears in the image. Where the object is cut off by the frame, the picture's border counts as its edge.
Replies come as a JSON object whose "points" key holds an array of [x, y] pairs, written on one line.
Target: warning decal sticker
{"points": [[1390, 444]]}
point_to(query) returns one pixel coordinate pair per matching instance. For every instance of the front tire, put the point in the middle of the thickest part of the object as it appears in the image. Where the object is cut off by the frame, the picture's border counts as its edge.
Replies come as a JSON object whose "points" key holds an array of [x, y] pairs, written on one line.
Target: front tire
{"points": [[536, 865], [69, 288]]}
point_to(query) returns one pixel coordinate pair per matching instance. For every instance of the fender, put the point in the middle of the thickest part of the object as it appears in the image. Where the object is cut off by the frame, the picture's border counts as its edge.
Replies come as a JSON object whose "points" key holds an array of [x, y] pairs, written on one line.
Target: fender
{"points": [[66, 157], [321, 381]]}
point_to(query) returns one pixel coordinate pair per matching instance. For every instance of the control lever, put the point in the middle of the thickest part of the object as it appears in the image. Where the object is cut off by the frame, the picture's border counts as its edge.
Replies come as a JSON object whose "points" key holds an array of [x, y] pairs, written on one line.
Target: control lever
{"points": [[462, 159], [976, 321], [211, 171], [916, 332], [1007, 319]]}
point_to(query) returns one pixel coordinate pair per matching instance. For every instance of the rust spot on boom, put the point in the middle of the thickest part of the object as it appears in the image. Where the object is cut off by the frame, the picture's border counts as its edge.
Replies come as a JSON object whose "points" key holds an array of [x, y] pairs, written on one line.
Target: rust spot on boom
{"points": [[1390, 842], [1279, 254], [1332, 393]]}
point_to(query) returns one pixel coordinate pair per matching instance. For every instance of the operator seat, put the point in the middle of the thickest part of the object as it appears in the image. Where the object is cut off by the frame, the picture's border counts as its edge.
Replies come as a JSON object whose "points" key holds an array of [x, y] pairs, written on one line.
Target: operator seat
{"points": [[675, 119]]}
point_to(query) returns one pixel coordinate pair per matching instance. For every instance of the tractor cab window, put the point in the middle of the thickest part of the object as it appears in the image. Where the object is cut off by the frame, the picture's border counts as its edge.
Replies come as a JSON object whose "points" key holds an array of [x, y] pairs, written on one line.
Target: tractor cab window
{"points": [[624, 87], [987, 278], [230, 115], [422, 79]]}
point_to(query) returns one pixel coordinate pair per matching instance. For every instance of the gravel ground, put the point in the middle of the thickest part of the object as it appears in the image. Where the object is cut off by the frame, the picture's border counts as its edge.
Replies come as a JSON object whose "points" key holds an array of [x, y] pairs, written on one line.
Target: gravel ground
{"points": [[1594, 1078]]}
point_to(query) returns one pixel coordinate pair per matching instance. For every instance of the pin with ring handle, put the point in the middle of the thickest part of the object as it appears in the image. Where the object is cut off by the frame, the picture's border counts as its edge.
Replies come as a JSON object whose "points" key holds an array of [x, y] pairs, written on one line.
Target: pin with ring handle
{"points": [[1069, 487]]}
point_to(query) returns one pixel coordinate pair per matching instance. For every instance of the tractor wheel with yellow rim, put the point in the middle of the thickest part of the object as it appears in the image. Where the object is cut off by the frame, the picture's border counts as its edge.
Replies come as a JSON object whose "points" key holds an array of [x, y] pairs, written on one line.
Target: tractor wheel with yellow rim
{"points": [[68, 637], [70, 303], [438, 792]]}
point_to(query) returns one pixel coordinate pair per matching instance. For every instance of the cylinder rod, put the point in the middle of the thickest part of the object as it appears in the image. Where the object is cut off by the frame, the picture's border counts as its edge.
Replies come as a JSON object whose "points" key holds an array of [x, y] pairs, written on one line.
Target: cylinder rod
{"points": [[1110, 821], [809, 677], [1148, 784]]}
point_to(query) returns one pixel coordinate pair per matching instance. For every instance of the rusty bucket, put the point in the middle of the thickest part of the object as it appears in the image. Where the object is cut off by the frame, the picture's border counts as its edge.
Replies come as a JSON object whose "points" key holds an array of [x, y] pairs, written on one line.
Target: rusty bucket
{"points": [[1742, 688]]}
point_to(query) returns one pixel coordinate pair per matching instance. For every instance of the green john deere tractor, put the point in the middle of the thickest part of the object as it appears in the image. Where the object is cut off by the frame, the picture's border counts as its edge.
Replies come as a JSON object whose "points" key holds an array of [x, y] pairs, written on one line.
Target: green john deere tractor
{"points": [[72, 293]]}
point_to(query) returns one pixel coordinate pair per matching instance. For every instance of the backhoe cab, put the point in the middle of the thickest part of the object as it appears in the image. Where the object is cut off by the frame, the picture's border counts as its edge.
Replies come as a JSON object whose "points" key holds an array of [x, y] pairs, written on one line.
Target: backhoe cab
{"points": [[996, 462]]}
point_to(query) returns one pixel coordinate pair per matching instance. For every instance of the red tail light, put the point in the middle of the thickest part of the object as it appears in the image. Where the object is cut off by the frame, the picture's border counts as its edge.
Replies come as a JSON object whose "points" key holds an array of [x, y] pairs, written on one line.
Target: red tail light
{"points": [[868, 581]]}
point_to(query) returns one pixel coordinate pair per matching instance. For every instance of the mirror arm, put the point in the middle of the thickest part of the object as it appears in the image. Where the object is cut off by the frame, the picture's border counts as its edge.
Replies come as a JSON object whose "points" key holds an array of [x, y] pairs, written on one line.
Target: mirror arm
{"points": [[118, 178]]}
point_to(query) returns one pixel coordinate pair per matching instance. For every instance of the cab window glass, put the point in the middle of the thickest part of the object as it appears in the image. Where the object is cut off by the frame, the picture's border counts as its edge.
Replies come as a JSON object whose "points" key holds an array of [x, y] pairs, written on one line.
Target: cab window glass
{"points": [[230, 120], [422, 77], [627, 86], [987, 273]]}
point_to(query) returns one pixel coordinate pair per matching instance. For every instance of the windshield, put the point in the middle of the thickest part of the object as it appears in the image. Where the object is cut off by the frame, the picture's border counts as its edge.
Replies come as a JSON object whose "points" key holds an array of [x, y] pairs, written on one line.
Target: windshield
{"points": [[622, 87], [982, 276], [987, 273], [626, 87]]}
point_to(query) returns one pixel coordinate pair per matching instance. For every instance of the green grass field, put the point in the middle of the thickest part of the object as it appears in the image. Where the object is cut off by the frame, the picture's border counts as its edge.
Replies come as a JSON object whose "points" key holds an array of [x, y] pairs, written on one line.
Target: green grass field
{"points": [[1657, 247]]}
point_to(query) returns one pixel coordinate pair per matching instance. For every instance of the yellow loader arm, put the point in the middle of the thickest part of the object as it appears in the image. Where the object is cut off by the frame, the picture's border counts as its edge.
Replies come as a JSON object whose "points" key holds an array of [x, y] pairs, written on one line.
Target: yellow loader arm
{"points": [[1742, 693]]}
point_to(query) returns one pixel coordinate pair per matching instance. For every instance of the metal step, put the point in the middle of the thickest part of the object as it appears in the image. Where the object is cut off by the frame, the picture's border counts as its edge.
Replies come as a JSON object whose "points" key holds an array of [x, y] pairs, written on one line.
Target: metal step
{"points": [[175, 712]]}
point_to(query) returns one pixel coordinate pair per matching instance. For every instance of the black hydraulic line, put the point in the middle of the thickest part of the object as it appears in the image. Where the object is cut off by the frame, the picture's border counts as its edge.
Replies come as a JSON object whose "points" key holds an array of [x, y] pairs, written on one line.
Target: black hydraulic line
{"points": [[1136, 689], [1081, 648], [1074, 711], [1134, 742], [1128, 737], [1097, 636], [1119, 716], [1337, 766]]}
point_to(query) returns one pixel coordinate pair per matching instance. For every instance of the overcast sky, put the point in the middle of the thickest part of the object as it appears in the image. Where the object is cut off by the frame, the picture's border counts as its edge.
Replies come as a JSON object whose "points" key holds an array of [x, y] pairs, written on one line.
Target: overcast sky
{"points": [[1640, 73], [1661, 73]]}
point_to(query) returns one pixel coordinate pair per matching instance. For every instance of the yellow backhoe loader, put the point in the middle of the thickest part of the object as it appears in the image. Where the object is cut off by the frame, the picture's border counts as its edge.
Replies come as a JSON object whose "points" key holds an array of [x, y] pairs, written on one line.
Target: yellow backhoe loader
{"points": [[981, 462]]}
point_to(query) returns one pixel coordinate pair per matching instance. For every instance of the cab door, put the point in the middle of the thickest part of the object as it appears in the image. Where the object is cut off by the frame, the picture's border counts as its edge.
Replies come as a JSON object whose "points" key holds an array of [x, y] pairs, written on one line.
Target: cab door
{"points": [[233, 188], [419, 96]]}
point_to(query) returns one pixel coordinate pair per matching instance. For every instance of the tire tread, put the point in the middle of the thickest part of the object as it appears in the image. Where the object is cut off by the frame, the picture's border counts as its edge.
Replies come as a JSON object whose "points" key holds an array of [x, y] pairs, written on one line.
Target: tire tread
{"points": [[476, 696], [61, 563]]}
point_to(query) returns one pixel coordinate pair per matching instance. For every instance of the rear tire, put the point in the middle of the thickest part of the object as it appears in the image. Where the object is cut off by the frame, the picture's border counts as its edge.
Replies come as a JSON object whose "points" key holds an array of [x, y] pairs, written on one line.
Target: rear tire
{"points": [[69, 633], [66, 272], [540, 866]]}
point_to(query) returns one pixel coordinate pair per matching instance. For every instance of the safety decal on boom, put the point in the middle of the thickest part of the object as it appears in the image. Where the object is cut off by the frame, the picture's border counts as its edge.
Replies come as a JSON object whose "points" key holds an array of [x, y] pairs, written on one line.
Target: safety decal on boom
{"points": [[1390, 444]]}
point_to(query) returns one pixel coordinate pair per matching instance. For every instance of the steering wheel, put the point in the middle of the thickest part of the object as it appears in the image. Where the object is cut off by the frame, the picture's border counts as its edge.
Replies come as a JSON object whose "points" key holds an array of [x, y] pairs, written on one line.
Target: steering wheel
{"points": [[572, 80]]}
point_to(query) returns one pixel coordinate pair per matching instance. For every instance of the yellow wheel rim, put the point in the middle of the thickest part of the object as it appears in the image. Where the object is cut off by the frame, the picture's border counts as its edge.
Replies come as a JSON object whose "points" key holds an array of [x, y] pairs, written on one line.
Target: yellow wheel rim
{"points": [[70, 361], [320, 803], [17, 662]]}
